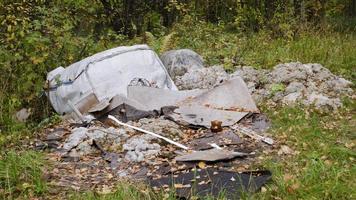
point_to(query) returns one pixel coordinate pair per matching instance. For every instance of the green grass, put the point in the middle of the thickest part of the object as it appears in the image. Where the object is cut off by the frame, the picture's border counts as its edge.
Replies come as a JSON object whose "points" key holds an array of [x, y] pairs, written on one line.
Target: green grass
{"points": [[324, 167], [21, 175]]}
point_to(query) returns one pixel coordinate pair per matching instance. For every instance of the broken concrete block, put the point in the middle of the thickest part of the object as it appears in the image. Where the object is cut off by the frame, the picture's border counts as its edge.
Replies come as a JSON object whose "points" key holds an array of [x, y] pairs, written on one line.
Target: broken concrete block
{"points": [[77, 136]]}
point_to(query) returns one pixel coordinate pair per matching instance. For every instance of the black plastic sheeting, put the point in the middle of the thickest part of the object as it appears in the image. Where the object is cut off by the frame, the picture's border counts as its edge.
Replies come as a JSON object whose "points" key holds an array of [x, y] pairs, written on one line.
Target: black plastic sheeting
{"points": [[213, 182]]}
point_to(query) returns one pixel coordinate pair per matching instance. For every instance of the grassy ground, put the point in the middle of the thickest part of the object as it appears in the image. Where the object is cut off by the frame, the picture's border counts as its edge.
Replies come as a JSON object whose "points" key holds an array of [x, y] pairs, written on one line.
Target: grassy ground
{"points": [[323, 166], [217, 45]]}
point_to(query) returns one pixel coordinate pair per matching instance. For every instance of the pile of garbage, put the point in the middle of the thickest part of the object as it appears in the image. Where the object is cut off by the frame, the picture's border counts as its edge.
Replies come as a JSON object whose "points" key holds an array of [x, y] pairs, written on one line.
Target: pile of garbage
{"points": [[171, 122]]}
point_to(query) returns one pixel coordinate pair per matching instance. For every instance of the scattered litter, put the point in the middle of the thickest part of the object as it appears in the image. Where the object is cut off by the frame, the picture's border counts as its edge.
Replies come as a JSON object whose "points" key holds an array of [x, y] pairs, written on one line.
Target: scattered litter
{"points": [[113, 107]]}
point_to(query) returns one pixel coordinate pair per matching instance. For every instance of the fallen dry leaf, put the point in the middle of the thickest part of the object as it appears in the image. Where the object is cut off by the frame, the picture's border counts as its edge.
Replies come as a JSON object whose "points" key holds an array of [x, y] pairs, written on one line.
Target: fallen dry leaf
{"points": [[288, 177], [349, 145], [293, 188], [202, 165], [285, 150], [263, 189], [105, 190], [179, 186]]}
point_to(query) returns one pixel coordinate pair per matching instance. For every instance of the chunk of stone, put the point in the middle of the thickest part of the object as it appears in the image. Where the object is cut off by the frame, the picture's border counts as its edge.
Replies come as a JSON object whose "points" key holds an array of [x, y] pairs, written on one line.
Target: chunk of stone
{"points": [[72, 156], [321, 101], [292, 98], [77, 136], [160, 126], [294, 87], [86, 148], [56, 134], [308, 84], [202, 78], [139, 147], [288, 72], [178, 62], [23, 114]]}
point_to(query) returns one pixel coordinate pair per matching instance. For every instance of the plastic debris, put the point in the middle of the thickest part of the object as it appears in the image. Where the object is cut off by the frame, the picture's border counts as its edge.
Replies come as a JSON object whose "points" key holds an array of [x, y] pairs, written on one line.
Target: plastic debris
{"points": [[253, 134]]}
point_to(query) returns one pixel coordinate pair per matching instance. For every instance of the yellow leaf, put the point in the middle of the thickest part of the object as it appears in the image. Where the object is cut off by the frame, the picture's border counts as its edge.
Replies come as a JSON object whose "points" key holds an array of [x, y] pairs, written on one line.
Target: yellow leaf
{"points": [[179, 186], [202, 165]]}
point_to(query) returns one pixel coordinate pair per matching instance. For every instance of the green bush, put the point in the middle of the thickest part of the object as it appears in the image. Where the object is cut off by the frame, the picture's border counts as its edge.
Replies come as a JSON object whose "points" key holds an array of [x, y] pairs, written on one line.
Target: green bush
{"points": [[36, 37]]}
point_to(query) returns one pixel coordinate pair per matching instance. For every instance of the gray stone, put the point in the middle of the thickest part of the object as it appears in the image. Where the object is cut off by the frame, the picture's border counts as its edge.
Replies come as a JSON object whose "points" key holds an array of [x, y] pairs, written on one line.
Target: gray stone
{"points": [[294, 87], [57, 134], [23, 114], [251, 75], [139, 147], [323, 102], [77, 136], [292, 98], [202, 78], [302, 81], [178, 62], [288, 72], [86, 148], [72, 156]]}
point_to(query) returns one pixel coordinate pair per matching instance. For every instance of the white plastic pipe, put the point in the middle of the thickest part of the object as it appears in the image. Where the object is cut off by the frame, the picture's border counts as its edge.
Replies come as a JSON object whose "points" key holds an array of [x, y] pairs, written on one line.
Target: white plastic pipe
{"points": [[253, 134], [148, 132]]}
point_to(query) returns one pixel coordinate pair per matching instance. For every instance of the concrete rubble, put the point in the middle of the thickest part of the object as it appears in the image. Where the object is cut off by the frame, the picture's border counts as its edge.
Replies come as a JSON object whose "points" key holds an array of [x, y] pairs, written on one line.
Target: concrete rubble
{"points": [[160, 126], [202, 78], [286, 84], [81, 139], [140, 147]]}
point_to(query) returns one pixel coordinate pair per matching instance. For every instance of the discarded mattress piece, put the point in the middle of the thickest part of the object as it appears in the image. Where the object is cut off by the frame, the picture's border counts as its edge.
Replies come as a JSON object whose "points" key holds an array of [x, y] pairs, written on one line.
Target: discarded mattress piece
{"points": [[104, 75], [212, 182]]}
